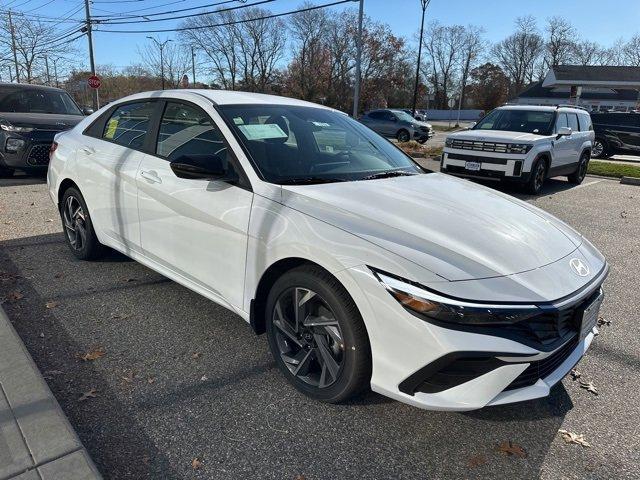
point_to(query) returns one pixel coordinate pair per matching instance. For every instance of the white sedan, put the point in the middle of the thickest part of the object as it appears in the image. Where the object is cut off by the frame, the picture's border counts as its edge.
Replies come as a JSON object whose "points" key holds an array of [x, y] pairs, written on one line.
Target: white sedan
{"points": [[364, 270]]}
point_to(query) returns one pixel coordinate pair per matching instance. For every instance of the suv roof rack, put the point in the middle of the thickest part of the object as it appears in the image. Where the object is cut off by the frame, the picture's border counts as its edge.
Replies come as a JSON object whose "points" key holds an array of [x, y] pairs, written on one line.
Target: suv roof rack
{"points": [[567, 105]]}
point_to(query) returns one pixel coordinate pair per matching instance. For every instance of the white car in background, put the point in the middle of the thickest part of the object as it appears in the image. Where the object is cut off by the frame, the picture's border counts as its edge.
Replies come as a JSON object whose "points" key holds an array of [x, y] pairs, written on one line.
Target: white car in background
{"points": [[364, 270], [524, 144]]}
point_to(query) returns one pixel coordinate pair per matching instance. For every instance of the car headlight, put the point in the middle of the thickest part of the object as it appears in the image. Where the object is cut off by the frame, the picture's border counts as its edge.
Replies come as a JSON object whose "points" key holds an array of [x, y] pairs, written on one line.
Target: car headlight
{"points": [[449, 142], [432, 306], [14, 144], [9, 127], [520, 148]]}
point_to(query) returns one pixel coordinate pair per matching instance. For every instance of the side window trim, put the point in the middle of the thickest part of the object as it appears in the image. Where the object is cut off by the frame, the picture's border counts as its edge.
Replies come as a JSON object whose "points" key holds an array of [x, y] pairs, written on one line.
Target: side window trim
{"points": [[154, 131]]}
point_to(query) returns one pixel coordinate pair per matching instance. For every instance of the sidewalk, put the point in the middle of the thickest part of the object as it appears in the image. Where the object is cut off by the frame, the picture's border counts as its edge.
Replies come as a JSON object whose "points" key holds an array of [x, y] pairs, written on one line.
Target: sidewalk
{"points": [[36, 440]]}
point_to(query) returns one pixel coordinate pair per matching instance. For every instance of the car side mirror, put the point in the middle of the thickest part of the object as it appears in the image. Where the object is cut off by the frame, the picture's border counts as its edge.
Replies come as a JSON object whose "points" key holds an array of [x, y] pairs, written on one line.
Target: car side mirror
{"points": [[564, 132], [470, 126], [87, 111], [199, 167]]}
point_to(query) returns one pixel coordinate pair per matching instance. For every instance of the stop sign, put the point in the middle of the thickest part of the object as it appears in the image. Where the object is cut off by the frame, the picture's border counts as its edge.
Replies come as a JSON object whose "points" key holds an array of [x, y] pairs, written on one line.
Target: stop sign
{"points": [[93, 81]]}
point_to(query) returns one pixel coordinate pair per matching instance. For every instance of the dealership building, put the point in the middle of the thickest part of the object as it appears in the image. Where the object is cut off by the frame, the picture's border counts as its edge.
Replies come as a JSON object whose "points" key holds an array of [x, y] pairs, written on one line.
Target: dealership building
{"points": [[596, 88]]}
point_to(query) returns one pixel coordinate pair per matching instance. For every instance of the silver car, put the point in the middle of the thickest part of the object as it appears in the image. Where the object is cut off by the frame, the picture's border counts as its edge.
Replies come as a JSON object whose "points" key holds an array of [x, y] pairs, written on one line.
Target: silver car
{"points": [[397, 124]]}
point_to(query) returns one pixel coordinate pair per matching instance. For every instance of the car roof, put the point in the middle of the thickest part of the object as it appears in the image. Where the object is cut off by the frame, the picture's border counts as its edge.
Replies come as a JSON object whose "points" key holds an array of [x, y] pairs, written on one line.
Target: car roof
{"points": [[227, 97], [29, 86], [542, 108]]}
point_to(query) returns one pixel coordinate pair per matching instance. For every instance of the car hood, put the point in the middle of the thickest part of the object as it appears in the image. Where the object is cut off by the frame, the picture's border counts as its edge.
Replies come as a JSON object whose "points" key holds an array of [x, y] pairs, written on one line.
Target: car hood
{"points": [[42, 121], [454, 228], [495, 136]]}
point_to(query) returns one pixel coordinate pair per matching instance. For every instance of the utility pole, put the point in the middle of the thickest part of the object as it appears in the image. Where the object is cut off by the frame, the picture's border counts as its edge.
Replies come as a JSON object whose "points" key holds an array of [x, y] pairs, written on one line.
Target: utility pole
{"points": [[55, 71], [193, 66], [424, 4], [13, 47], [356, 90], [92, 63], [46, 64], [161, 46]]}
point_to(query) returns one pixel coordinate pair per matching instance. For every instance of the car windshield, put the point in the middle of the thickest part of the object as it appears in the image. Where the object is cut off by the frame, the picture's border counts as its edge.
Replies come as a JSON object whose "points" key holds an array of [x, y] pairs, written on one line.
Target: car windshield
{"points": [[527, 121], [403, 116], [298, 145], [36, 100]]}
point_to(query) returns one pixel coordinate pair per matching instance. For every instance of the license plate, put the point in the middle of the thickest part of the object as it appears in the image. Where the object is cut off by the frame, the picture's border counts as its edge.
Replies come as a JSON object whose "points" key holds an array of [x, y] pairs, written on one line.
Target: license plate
{"points": [[590, 316], [474, 166]]}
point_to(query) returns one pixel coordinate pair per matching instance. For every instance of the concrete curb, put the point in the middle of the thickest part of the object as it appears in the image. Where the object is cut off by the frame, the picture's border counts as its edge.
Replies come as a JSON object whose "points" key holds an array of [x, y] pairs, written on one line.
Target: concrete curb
{"points": [[630, 181], [36, 440]]}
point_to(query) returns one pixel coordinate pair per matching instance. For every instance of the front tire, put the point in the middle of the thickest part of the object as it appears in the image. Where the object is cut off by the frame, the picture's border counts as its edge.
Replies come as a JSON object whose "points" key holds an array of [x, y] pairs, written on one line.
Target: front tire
{"points": [[537, 177], [578, 176], [78, 227], [403, 136], [600, 149], [317, 336]]}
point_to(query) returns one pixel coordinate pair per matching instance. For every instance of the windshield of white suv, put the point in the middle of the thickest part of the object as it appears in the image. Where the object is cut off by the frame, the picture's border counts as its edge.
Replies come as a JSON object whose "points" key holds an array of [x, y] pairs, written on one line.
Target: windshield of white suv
{"points": [[306, 145], [36, 100], [526, 121]]}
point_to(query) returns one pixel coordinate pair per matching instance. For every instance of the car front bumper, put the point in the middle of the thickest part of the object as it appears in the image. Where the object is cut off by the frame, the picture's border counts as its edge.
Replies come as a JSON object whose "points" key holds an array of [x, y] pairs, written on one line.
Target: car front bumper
{"points": [[493, 168], [404, 346], [32, 155]]}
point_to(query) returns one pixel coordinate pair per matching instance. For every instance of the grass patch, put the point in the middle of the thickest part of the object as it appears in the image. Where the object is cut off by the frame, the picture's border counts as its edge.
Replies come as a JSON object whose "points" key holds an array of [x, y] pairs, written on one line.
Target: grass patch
{"points": [[415, 149], [609, 169], [444, 128]]}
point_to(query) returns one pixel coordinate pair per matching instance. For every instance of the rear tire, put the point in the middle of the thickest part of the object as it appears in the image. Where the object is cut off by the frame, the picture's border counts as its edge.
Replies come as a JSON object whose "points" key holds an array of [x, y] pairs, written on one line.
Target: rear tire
{"points": [[403, 136], [323, 349], [6, 172], [578, 176], [537, 177], [78, 227]]}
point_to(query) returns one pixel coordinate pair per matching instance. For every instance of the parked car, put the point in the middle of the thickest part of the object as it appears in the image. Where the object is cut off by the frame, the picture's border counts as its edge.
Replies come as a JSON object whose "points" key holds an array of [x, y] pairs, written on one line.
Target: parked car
{"points": [[397, 124], [524, 144], [616, 133], [30, 116], [362, 269], [420, 116]]}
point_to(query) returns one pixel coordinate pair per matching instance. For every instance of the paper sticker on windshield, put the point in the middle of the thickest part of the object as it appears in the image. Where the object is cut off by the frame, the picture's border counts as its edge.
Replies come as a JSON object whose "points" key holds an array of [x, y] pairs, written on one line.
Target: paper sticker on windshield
{"points": [[262, 131], [321, 124], [238, 120], [111, 128]]}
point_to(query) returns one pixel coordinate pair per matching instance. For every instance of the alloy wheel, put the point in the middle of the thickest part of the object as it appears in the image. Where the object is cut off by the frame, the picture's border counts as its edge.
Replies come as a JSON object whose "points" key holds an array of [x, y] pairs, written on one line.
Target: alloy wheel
{"points": [[583, 168], [539, 179], [597, 149], [309, 338], [75, 223]]}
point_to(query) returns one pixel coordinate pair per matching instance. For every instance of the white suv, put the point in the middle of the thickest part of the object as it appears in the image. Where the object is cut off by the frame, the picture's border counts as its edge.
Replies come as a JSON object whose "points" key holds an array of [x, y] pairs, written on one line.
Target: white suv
{"points": [[522, 143]]}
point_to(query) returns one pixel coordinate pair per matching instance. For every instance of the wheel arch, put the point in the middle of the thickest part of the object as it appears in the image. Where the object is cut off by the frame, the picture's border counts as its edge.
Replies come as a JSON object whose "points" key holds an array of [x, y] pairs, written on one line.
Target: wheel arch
{"points": [[64, 186], [544, 156]]}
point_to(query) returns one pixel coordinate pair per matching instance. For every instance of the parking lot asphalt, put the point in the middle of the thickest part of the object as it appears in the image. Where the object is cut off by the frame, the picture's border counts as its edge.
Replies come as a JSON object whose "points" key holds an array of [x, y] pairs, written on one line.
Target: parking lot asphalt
{"points": [[177, 378]]}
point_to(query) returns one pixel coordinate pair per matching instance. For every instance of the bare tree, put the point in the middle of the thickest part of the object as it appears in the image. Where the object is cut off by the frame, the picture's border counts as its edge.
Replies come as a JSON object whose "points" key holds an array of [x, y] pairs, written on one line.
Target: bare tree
{"points": [[631, 51], [176, 60], [473, 46], [560, 42], [586, 52], [519, 52], [443, 45]]}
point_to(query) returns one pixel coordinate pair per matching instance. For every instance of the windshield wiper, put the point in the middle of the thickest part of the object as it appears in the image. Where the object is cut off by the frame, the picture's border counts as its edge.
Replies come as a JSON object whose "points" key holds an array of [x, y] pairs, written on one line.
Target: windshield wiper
{"points": [[310, 180], [389, 174]]}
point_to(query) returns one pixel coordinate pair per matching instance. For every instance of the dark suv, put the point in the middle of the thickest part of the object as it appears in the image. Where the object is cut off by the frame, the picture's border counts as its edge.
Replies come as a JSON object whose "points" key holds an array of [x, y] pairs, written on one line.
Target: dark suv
{"points": [[616, 133], [30, 116]]}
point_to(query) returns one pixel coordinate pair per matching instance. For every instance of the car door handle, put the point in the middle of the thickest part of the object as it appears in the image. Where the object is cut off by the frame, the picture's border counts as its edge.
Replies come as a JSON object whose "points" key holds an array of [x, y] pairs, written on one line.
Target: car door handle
{"points": [[88, 150], [151, 175]]}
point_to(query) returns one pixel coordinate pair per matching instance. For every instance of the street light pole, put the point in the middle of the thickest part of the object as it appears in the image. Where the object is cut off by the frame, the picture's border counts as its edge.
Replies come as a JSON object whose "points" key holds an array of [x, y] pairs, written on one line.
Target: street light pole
{"points": [[424, 4], [356, 91], [161, 46]]}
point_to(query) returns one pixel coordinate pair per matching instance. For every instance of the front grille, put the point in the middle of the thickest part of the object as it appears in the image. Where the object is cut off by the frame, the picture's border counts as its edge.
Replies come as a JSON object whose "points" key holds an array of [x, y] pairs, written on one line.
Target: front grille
{"points": [[39, 155], [479, 146], [544, 368], [454, 169]]}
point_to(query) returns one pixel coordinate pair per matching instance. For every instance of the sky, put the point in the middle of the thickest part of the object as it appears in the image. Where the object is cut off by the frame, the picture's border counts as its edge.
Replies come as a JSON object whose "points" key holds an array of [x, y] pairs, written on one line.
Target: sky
{"points": [[619, 19]]}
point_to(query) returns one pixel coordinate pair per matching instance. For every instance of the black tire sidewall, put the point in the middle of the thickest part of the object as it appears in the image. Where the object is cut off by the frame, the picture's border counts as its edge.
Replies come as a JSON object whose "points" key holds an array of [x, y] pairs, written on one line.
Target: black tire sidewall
{"points": [[403, 133], [575, 177], [531, 185], [356, 344], [92, 248], [605, 148]]}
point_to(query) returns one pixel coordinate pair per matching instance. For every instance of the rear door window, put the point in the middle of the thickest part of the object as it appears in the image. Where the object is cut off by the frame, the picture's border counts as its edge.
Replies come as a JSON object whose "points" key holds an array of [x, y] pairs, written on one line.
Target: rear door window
{"points": [[573, 122], [128, 124], [562, 121], [585, 122]]}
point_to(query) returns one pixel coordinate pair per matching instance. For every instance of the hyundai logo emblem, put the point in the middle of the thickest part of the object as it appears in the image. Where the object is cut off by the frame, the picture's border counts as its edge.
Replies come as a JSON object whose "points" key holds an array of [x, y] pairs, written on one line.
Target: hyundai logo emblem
{"points": [[579, 267]]}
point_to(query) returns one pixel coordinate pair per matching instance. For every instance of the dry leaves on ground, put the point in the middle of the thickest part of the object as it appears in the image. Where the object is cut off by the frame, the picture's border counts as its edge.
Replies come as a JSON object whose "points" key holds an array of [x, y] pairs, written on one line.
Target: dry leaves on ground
{"points": [[509, 448], [93, 393], [602, 321], [129, 377], [477, 461], [570, 437], [14, 296], [589, 387], [93, 354], [575, 374], [196, 355], [151, 380], [196, 463], [51, 304]]}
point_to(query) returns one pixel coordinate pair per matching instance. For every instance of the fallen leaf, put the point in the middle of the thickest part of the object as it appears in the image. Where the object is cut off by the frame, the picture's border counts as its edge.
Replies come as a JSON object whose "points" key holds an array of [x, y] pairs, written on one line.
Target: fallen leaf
{"points": [[129, 280], [623, 214], [300, 477], [570, 437], [49, 220], [93, 393], [130, 377], [589, 387], [8, 276], [602, 321], [94, 354], [575, 374], [509, 448], [51, 304], [477, 461], [196, 355], [151, 380], [119, 316], [196, 463], [14, 296], [204, 378]]}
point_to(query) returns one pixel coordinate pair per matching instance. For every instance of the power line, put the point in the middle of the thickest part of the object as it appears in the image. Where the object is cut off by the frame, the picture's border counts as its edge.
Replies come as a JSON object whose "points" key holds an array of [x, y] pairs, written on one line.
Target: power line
{"points": [[199, 27], [228, 9], [177, 11], [126, 14]]}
